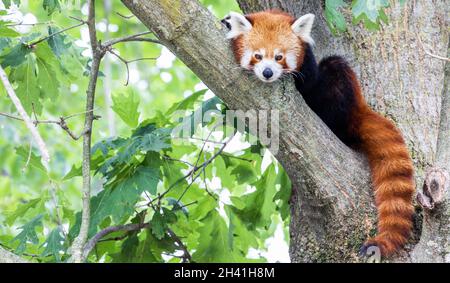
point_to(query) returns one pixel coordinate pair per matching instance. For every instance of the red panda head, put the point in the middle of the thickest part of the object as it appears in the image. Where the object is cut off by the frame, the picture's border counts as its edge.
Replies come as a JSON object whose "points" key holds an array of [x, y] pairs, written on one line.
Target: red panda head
{"points": [[269, 43]]}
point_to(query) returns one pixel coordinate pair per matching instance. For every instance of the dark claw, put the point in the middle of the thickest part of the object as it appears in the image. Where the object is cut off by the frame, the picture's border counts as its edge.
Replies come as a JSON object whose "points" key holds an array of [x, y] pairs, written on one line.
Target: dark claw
{"points": [[371, 255]]}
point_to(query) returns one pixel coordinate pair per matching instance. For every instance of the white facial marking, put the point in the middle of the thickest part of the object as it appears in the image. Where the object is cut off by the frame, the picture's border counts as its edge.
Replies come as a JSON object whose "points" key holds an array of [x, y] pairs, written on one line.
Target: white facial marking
{"points": [[246, 58], [238, 24], [291, 60], [302, 28], [277, 70]]}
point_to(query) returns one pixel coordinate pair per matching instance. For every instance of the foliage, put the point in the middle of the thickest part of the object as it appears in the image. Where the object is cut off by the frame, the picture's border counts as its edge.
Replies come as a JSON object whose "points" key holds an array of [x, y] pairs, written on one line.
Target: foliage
{"points": [[369, 12], [227, 205], [194, 200]]}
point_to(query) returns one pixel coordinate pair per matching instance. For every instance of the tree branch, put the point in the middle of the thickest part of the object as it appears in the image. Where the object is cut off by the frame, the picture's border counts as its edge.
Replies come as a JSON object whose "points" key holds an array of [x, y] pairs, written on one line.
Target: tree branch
{"points": [[61, 122], [95, 239], [9, 257], [24, 116], [135, 37], [97, 53], [434, 245], [330, 182]]}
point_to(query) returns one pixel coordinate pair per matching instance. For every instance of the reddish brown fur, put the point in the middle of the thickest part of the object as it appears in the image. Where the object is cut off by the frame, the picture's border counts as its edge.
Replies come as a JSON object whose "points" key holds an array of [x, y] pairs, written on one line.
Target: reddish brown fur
{"points": [[389, 160], [271, 30], [392, 174]]}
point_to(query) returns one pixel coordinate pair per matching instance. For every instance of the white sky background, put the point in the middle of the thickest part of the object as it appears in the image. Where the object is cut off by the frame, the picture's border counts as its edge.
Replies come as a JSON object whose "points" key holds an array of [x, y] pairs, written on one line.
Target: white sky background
{"points": [[277, 248]]}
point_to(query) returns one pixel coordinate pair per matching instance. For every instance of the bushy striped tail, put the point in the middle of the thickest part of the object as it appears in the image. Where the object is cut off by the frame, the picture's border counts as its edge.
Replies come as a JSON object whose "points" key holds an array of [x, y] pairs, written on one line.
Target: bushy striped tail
{"points": [[393, 180]]}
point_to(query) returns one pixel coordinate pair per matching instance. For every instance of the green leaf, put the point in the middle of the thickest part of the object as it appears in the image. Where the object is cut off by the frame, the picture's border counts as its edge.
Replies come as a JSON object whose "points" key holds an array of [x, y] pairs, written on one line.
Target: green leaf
{"points": [[46, 63], [16, 56], [119, 202], [57, 41], [54, 244], [157, 225], [259, 205], [74, 172], [146, 179], [160, 222], [51, 6], [334, 17], [126, 106], [8, 32], [35, 161], [21, 210], [28, 234], [7, 3], [155, 141], [186, 103], [128, 250], [368, 12], [214, 242], [28, 88], [4, 43], [191, 122], [245, 173]]}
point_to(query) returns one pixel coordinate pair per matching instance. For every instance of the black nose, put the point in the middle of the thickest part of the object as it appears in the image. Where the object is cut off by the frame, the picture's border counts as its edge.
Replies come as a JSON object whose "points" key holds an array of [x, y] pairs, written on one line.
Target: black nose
{"points": [[267, 73]]}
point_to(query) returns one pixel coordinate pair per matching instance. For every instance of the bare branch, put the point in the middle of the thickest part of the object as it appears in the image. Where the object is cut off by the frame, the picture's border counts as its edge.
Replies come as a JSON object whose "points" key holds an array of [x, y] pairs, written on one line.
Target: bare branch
{"points": [[55, 33], [186, 255], [428, 52], [78, 245], [61, 122], [95, 239], [133, 37], [125, 17], [23, 24], [23, 114], [126, 62]]}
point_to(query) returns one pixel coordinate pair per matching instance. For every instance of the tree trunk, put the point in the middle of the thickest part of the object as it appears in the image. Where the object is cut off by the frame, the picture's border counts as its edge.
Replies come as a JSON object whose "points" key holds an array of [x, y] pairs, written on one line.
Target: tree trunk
{"points": [[9, 257], [332, 203]]}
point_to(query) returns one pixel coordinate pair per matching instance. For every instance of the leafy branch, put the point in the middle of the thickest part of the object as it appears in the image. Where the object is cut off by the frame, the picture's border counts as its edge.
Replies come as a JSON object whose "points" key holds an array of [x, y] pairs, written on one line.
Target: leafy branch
{"points": [[24, 116], [62, 122]]}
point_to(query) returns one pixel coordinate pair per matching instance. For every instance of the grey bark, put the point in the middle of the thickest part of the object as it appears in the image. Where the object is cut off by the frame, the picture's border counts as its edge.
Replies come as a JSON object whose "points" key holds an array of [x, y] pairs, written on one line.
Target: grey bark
{"points": [[400, 81], [434, 245], [332, 202], [9, 257]]}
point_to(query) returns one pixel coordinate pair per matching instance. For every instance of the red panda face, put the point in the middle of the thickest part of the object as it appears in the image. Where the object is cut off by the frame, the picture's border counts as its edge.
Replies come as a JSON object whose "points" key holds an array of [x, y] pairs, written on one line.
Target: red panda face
{"points": [[269, 43]]}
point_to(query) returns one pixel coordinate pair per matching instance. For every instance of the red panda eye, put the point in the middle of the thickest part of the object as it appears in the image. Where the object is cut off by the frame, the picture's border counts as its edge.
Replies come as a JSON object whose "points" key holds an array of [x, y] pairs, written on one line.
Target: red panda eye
{"points": [[278, 57], [258, 56]]}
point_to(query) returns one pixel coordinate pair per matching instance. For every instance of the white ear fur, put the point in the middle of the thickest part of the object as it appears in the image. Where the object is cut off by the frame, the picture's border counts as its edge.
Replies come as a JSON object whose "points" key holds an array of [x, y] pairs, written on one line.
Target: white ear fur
{"points": [[302, 27], [238, 24]]}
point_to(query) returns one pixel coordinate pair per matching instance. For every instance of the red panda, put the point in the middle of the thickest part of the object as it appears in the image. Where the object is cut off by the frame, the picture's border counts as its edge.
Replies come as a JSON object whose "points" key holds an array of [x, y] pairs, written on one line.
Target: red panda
{"points": [[273, 43]]}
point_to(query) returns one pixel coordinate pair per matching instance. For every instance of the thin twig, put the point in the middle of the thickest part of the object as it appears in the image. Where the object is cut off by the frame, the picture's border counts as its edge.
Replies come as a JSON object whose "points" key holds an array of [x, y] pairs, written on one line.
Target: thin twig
{"points": [[178, 160], [22, 24], [124, 39], [126, 62], [125, 17], [23, 114], [187, 256], [30, 150], [55, 33], [61, 122], [93, 241], [428, 52]]}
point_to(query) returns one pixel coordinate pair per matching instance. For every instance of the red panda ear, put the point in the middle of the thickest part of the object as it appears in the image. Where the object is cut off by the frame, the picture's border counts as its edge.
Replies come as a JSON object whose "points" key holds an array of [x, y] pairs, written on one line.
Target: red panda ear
{"points": [[237, 24], [302, 27]]}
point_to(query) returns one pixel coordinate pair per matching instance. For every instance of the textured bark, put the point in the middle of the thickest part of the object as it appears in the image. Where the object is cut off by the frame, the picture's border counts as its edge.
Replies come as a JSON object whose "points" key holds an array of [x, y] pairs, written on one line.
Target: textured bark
{"points": [[332, 203], [400, 81], [9, 257], [434, 245]]}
